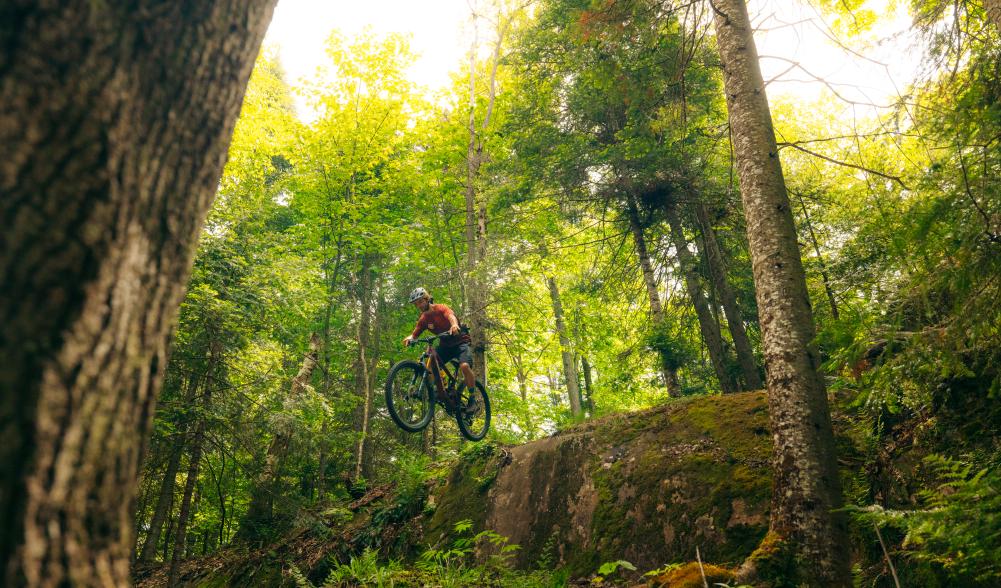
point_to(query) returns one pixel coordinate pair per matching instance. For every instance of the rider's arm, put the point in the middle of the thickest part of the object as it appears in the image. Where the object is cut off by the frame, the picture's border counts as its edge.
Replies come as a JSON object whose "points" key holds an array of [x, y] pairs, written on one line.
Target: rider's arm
{"points": [[418, 329], [454, 322]]}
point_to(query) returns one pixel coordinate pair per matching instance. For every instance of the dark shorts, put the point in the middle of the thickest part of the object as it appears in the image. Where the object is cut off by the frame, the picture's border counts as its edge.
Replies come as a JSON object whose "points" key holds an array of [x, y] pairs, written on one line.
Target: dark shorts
{"points": [[462, 352]]}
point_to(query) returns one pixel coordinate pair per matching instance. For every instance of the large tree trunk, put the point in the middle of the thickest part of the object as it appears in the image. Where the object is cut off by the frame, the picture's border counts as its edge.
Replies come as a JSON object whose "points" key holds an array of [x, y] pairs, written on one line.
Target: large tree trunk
{"points": [[259, 512], [728, 300], [115, 121], [569, 364], [707, 323], [650, 281], [807, 491]]}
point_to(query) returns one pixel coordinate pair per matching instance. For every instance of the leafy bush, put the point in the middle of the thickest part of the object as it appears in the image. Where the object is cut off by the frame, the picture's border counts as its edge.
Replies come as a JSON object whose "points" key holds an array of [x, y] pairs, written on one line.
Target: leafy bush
{"points": [[960, 528]]}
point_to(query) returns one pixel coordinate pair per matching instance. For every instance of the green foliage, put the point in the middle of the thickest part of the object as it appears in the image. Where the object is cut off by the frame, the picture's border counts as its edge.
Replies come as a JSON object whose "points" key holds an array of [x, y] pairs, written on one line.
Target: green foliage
{"points": [[959, 526], [364, 570]]}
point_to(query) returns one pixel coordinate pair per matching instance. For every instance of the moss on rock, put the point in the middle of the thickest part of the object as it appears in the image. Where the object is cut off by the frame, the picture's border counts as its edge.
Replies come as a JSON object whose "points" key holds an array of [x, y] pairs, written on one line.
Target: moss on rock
{"points": [[646, 487]]}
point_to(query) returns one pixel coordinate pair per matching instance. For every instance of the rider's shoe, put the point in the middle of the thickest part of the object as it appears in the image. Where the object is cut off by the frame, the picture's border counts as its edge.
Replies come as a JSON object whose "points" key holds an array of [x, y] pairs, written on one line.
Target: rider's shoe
{"points": [[472, 409]]}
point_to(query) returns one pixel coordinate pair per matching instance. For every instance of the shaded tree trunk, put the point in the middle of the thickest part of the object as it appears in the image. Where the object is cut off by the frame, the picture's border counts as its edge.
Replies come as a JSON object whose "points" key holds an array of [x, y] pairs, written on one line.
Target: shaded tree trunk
{"points": [[194, 463], [806, 489], [164, 502], [115, 124], [586, 367], [650, 282], [260, 511], [728, 300], [569, 365], [707, 323]]}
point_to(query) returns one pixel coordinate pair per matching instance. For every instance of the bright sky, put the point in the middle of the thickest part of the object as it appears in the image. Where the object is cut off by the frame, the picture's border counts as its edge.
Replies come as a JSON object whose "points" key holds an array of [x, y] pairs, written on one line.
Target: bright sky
{"points": [[441, 33]]}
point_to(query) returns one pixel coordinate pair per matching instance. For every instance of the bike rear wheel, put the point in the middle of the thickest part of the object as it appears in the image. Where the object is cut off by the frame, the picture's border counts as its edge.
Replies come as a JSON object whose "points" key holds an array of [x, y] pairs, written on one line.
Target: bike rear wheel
{"points": [[473, 412], [410, 396]]}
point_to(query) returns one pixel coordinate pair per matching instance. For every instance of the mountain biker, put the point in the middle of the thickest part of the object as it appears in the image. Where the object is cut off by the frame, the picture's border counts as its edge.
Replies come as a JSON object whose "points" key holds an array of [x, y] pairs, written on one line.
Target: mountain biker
{"points": [[439, 318]]}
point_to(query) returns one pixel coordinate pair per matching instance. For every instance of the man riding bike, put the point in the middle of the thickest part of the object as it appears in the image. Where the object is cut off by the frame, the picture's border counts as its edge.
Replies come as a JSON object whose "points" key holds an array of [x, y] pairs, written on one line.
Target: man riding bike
{"points": [[439, 318]]}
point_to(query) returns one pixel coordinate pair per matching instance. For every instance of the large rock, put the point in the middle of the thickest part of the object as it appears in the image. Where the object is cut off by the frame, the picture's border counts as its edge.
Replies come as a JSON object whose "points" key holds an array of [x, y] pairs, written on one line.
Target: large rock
{"points": [[646, 487]]}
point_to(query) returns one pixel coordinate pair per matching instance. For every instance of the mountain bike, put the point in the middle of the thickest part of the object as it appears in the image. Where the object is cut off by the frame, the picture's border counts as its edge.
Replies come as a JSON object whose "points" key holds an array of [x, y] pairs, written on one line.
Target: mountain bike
{"points": [[413, 388]]}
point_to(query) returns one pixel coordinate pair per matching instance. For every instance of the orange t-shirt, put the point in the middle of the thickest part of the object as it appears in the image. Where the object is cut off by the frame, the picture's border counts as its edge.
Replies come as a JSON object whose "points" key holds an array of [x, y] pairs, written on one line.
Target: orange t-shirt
{"points": [[438, 319]]}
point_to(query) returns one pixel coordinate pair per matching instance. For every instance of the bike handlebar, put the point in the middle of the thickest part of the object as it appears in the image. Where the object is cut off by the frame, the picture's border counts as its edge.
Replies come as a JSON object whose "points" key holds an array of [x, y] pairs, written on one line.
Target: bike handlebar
{"points": [[430, 339]]}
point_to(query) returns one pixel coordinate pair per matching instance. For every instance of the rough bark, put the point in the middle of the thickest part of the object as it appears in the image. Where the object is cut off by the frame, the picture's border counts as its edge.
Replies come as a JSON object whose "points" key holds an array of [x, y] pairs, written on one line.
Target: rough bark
{"points": [[569, 365], [650, 281], [806, 488], [728, 300], [260, 510], [993, 8], [115, 121], [707, 323]]}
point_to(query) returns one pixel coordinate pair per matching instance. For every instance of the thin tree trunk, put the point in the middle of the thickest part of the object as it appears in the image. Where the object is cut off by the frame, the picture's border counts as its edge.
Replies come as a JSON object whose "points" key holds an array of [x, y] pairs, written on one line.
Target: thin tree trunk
{"points": [[806, 497], [569, 365], [669, 370], [194, 462], [727, 298], [167, 537], [820, 260], [588, 387], [707, 324], [259, 512], [115, 121], [165, 499], [163, 503], [373, 374], [362, 382]]}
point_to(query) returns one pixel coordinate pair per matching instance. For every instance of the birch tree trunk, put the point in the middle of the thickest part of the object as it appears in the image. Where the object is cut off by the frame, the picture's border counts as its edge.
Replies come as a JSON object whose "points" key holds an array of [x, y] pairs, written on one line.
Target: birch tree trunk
{"points": [[707, 323], [569, 365], [728, 300], [115, 121], [362, 383], [260, 510], [806, 488], [650, 282]]}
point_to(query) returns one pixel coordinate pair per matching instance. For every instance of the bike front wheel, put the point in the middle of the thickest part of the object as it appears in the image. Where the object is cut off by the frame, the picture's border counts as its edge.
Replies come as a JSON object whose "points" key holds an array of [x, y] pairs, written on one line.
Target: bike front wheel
{"points": [[410, 396], [473, 412]]}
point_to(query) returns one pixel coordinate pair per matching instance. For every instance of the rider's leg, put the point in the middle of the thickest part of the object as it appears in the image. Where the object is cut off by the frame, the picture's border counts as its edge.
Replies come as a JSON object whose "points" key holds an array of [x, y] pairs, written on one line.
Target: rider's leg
{"points": [[468, 374]]}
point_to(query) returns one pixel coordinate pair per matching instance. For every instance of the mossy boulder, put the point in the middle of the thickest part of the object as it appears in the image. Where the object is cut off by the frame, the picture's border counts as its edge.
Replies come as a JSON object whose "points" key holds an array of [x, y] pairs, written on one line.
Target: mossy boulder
{"points": [[646, 487]]}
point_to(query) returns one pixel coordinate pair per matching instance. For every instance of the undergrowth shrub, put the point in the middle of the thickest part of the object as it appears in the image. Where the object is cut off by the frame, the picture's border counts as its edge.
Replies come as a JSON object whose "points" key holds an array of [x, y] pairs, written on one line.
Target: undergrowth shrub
{"points": [[959, 528]]}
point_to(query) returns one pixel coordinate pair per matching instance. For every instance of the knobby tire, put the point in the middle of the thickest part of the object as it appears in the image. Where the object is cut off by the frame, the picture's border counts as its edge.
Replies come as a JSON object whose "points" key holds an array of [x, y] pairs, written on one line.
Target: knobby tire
{"points": [[410, 396]]}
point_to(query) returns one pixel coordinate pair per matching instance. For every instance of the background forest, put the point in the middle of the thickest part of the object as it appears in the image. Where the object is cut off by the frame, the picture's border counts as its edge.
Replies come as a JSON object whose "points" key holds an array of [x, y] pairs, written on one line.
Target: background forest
{"points": [[573, 197]]}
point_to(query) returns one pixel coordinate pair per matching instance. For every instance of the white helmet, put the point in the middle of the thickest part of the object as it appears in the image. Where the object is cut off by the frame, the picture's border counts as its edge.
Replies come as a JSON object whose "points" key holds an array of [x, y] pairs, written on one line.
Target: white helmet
{"points": [[419, 293]]}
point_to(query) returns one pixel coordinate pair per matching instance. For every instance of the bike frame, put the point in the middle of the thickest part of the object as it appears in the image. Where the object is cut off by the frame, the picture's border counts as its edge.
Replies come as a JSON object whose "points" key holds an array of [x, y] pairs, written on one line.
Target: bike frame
{"points": [[433, 364]]}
